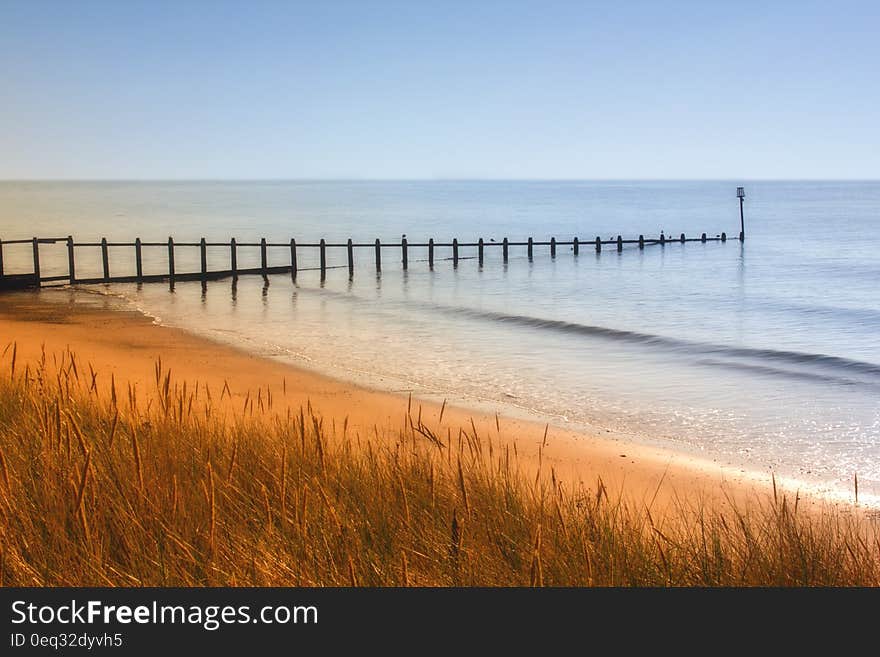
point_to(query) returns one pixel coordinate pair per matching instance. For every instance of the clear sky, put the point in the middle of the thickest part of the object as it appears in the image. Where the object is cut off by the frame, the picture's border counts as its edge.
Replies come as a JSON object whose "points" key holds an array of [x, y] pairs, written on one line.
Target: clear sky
{"points": [[439, 89]]}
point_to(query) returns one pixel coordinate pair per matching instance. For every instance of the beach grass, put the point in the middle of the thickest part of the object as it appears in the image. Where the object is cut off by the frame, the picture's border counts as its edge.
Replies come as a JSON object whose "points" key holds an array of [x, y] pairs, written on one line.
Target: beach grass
{"points": [[103, 484]]}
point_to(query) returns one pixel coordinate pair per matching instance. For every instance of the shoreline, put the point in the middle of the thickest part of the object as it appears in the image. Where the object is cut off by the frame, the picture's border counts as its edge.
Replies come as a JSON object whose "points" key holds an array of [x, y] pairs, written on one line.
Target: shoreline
{"points": [[126, 344]]}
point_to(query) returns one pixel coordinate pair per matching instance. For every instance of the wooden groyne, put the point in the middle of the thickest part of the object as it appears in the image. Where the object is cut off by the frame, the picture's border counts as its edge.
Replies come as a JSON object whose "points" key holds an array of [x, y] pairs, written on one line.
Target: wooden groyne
{"points": [[403, 249]]}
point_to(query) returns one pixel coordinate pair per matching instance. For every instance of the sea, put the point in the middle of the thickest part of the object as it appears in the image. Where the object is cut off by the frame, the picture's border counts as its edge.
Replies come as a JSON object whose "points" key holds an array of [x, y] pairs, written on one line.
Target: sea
{"points": [[762, 356]]}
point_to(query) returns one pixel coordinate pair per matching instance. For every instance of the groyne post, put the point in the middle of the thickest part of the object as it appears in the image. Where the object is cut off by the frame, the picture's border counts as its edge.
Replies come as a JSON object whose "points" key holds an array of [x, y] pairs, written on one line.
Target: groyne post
{"points": [[233, 257], [480, 251], [36, 247], [203, 256], [350, 259], [378, 255], [293, 258], [455, 252], [171, 259], [71, 262], [619, 244], [403, 249], [504, 247], [138, 260], [598, 244], [264, 257], [576, 247], [431, 254], [530, 249], [323, 251], [105, 259], [552, 247]]}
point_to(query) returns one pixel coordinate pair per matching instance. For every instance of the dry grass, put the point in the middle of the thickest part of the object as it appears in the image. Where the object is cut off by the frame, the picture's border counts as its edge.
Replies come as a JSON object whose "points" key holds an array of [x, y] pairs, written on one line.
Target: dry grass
{"points": [[103, 486]]}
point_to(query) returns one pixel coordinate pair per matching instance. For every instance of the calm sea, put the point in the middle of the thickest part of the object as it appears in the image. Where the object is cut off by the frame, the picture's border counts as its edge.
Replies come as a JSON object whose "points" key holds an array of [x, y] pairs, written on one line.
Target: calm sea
{"points": [[763, 355]]}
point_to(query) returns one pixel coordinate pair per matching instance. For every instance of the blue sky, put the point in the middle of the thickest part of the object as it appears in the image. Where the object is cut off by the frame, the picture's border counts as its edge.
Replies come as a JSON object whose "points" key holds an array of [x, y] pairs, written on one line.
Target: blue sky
{"points": [[436, 89]]}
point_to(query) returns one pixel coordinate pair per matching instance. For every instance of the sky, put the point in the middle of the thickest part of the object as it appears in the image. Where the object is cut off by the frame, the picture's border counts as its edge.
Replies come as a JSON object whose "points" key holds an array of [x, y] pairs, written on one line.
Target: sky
{"points": [[439, 89]]}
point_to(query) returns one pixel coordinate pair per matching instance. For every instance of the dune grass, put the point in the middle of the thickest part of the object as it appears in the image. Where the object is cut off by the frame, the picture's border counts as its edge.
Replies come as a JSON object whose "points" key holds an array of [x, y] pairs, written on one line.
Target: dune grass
{"points": [[103, 485]]}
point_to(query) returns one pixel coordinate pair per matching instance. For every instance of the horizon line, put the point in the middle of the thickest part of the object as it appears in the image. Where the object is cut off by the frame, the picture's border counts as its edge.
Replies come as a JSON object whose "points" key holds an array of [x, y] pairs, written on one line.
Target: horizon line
{"points": [[435, 179]]}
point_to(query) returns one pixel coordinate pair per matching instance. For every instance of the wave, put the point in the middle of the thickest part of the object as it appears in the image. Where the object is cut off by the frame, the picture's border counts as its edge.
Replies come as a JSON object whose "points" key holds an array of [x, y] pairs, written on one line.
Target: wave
{"points": [[838, 364], [769, 370], [698, 348]]}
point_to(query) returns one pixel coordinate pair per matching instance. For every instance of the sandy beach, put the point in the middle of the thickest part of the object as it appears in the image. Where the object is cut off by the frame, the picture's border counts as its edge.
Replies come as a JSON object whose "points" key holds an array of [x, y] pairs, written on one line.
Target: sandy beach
{"points": [[126, 345]]}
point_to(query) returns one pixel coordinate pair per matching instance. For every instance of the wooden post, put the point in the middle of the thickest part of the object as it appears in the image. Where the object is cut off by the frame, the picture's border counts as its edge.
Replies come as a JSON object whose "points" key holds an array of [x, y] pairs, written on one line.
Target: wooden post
{"points": [[1, 258], [552, 247], [662, 238], [504, 246], [703, 238], [378, 255], [323, 251], [233, 258], [598, 244], [264, 257], [405, 258], [350, 260], [36, 248], [105, 259], [723, 237], [531, 249], [431, 253], [203, 252], [682, 238], [293, 257], [455, 252], [480, 251], [741, 195], [619, 244], [171, 259], [71, 264], [577, 246], [138, 259], [641, 241]]}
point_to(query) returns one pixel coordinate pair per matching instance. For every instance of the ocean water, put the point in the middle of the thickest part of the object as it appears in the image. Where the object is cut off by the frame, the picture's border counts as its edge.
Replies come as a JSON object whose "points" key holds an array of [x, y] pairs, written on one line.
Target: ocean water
{"points": [[764, 356]]}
